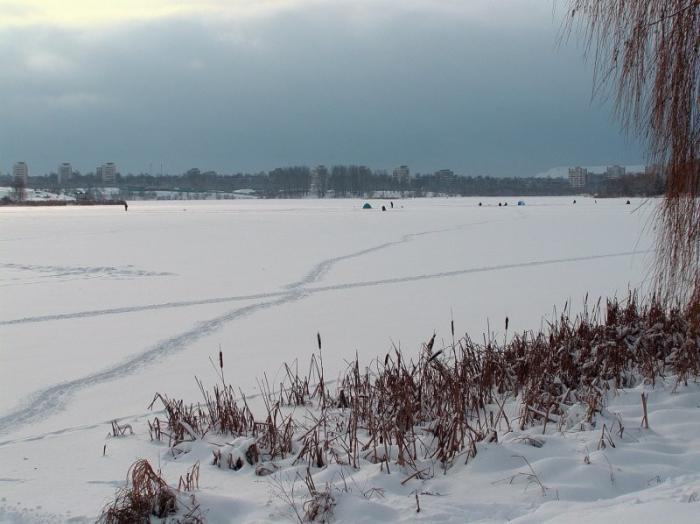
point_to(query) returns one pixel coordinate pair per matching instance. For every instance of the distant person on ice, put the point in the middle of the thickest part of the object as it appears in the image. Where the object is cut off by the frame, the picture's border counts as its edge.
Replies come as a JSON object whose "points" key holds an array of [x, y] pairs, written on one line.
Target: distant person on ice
{"points": [[126, 206]]}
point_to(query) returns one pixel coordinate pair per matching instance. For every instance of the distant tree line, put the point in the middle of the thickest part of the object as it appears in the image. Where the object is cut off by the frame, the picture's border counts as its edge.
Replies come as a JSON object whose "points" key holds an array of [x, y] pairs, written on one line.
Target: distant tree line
{"points": [[632, 184], [344, 181]]}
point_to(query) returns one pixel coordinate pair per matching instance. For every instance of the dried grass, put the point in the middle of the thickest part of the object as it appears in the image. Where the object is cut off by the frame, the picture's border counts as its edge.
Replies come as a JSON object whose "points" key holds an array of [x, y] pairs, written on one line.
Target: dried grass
{"points": [[147, 495], [435, 410]]}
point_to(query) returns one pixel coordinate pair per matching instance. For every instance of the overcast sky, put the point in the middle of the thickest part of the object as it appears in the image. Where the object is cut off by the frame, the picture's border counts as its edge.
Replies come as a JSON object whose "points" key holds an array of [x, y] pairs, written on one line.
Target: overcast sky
{"points": [[479, 86]]}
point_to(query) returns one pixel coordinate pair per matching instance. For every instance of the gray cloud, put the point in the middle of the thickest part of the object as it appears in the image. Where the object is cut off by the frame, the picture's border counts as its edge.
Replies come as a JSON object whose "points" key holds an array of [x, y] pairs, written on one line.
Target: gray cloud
{"points": [[318, 83]]}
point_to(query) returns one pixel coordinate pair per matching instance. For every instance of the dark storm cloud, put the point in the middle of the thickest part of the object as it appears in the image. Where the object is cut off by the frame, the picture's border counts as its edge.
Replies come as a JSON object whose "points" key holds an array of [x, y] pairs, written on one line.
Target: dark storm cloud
{"points": [[305, 85]]}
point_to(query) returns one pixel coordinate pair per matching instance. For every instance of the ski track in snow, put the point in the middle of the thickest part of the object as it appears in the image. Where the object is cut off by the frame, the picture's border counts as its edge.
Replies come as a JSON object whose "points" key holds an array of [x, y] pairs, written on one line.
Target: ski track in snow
{"points": [[44, 402], [312, 276], [55, 397], [135, 309], [321, 269], [313, 290], [64, 273], [458, 272]]}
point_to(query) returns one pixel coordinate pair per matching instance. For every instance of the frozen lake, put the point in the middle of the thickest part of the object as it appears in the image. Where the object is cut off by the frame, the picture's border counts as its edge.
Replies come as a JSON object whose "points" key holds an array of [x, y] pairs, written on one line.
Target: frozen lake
{"points": [[101, 308]]}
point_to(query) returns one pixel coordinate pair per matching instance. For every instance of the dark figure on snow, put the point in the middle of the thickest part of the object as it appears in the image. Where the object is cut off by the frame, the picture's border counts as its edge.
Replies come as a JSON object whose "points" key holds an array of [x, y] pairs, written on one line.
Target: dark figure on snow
{"points": [[479, 204], [126, 206], [383, 208], [628, 203], [499, 204], [574, 201], [392, 204]]}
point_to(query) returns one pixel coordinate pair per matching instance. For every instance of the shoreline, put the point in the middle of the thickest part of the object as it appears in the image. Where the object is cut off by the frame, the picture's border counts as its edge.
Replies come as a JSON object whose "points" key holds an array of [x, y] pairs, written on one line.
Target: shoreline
{"points": [[52, 203]]}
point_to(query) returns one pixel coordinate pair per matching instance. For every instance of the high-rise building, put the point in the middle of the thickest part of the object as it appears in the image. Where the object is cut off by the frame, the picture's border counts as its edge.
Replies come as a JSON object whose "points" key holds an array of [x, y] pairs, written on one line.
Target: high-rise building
{"points": [[614, 171], [578, 177], [65, 172], [109, 174], [20, 173], [402, 173]]}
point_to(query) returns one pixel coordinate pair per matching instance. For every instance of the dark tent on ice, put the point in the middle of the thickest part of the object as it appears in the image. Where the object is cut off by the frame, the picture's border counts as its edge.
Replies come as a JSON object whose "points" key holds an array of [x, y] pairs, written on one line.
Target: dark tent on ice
{"points": [[366, 206], [521, 202]]}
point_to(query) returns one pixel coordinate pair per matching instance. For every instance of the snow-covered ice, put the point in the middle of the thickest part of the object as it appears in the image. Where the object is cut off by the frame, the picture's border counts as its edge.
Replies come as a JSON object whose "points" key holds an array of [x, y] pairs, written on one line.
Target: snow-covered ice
{"points": [[101, 308]]}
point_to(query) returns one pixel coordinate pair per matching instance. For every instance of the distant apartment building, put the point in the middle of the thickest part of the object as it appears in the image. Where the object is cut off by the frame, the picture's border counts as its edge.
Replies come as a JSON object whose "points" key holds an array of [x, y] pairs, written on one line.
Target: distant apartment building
{"points": [[578, 177], [65, 172], [108, 173], [20, 173], [615, 171], [402, 174]]}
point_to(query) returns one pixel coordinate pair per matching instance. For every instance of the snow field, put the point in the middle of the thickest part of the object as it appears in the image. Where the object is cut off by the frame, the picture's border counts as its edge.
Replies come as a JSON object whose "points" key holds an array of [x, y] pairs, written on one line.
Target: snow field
{"points": [[103, 308]]}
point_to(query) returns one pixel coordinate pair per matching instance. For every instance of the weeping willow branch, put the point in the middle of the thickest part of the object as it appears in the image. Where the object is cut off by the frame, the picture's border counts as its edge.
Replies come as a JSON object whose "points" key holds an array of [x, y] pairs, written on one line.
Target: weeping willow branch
{"points": [[646, 54]]}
